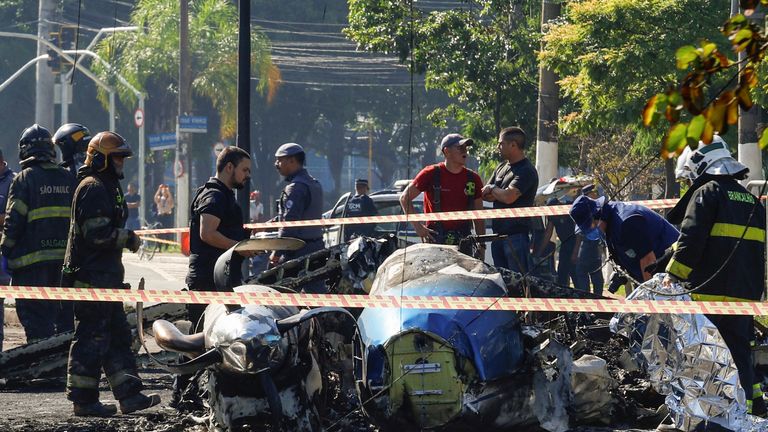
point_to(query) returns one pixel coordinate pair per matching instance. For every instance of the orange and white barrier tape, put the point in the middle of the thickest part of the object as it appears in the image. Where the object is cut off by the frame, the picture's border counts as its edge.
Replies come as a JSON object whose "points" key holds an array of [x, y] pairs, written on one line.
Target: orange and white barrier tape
{"points": [[425, 217], [148, 238], [405, 302]]}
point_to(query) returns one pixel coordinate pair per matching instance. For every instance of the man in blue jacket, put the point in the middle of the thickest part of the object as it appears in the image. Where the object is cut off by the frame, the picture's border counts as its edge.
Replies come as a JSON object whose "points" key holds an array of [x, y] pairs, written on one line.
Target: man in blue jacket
{"points": [[636, 236], [301, 199]]}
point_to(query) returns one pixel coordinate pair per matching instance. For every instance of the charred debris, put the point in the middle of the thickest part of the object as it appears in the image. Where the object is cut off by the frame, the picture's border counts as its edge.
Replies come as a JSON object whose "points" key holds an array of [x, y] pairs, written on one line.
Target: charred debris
{"points": [[289, 368]]}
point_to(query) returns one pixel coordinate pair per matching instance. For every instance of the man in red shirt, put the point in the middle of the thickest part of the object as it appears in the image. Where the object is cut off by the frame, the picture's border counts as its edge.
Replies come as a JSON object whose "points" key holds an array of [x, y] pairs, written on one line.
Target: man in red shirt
{"points": [[447, 186]]}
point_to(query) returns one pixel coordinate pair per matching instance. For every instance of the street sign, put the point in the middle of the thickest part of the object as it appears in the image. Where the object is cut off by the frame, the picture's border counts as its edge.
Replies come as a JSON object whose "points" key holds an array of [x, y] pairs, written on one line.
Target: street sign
{"points": [[192, 124], [163, 141], [138, 117]]}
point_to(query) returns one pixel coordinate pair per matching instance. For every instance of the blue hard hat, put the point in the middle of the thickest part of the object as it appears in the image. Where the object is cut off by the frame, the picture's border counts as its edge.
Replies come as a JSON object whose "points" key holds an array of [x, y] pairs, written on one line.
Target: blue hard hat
{"points": [[289, 149], [583, 212]]}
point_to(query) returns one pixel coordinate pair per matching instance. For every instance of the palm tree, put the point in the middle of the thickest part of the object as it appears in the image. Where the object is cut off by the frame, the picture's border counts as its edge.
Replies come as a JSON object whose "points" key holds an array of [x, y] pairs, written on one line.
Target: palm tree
{"points": [[149, 59]]}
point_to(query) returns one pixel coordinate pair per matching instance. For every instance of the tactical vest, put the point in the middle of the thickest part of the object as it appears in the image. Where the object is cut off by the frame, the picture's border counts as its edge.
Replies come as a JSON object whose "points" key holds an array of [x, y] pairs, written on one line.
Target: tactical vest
{"points": [[230, 227], [312, 210]]}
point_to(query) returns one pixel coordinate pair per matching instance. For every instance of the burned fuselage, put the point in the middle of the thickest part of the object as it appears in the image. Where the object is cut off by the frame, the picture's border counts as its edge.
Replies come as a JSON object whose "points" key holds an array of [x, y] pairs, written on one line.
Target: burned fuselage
{"points": [[452, 369]]}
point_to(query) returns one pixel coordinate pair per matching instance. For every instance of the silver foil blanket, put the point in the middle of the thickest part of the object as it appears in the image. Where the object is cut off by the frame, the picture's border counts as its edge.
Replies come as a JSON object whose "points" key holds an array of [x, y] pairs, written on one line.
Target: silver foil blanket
{"points": [[686, 360]]}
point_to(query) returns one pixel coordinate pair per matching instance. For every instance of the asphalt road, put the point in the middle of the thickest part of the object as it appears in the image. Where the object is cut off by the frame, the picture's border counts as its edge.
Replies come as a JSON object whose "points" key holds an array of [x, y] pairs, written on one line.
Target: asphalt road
{"points": [[164, 271]]}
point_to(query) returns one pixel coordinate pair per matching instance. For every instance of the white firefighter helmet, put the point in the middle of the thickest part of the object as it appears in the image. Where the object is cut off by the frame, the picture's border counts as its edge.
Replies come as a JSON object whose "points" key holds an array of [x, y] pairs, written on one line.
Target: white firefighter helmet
{"points": [[714, 159], [682, 172]]}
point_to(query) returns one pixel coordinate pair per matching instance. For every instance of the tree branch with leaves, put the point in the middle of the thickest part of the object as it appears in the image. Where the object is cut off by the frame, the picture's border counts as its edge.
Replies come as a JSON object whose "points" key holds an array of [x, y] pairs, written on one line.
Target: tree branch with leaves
{"points": [[711, 109]]}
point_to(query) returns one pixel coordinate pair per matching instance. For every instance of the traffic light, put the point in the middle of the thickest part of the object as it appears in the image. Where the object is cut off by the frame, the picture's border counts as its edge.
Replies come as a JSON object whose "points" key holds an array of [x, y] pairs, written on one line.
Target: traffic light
{"points": [[66, 42], [54, 61], [67, 37]]}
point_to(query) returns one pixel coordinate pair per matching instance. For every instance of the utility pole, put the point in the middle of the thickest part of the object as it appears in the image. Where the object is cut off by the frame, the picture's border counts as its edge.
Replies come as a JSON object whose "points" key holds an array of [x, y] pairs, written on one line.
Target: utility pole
{"points": [[244, 95], [549, 104], [44, 75], [181, 164], [749, 152]]}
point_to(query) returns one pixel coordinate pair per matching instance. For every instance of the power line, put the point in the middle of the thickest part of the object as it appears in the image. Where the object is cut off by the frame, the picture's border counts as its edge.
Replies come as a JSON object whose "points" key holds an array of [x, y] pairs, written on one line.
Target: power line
{"points": [[330, 35], [297, 23], [338, 84]]}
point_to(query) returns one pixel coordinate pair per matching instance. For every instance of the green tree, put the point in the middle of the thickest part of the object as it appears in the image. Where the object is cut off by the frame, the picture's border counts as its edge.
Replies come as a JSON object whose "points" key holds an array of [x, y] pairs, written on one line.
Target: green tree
{"points": [[481, 53], [698, 106], [149, 58], [607, 54]]}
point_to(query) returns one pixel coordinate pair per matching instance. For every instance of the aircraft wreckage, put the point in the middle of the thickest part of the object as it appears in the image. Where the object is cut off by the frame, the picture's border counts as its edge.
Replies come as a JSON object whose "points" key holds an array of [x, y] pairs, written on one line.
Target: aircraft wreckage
{"points": [[422, 369]]}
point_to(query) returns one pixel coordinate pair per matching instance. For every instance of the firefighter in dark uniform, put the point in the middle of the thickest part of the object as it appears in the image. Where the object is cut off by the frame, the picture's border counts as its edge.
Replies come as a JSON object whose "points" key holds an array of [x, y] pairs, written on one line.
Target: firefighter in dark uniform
{"points": [[719, 217], [360, 205], [35, 232], [94, 259], [72, 140], [301, 199]]}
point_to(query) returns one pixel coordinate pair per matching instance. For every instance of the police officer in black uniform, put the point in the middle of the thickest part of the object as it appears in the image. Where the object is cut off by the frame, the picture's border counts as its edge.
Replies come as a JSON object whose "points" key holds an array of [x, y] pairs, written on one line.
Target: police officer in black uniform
{"points": [[94, 259], [215, 225], [360, 205], [35, 232], [72, 140], [301, 199], [216, 222]]}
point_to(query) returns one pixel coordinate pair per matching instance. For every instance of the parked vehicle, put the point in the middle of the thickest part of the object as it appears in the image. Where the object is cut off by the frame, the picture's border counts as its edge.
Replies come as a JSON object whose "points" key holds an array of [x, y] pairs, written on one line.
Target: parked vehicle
{"points": [[387, 202]]}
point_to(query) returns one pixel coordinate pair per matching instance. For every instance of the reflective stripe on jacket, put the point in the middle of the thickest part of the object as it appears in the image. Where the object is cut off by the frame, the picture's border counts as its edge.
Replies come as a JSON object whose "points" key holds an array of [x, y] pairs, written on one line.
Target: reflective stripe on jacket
{"points": [[719, 213], [37, 215], [97, 235]]}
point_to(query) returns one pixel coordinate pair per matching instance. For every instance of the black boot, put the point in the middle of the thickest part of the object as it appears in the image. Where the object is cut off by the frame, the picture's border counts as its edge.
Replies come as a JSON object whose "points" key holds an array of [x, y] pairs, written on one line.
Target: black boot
{"points": [[95, 409], [138, 402]]}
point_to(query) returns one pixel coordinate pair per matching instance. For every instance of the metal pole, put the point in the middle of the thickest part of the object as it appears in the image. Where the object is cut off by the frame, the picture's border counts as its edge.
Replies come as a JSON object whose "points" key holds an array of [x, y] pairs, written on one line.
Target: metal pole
{"points": [[749, 151], [370, 154], [63, 55], [64, 100], [549, 104], [112, 111], [44, 107], [244, 94], [185, 108], [142, 168], [21, 70], [98, 36]]}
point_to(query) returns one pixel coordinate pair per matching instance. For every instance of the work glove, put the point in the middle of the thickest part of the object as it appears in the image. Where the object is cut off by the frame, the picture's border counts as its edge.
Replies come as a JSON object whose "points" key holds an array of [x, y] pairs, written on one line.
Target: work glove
{"points": [[616, 281], [134, 242]]}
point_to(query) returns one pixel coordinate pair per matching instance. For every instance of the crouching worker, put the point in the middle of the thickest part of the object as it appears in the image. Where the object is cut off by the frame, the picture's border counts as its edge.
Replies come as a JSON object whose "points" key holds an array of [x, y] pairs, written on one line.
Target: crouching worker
{"points": [[94, 259], [721, 249]]}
